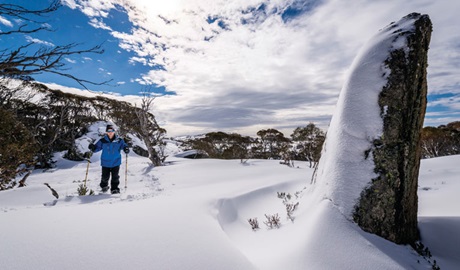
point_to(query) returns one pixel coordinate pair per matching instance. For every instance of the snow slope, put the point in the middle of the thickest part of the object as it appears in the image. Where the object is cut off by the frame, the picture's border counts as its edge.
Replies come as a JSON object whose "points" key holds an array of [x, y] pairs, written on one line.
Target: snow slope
{"points": [[192, 214]]}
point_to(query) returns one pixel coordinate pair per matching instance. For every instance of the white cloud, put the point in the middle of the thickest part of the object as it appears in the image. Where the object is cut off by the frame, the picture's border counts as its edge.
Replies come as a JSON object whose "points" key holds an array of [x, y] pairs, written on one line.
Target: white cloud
{"points": [[39, 41], [236, 63], [452, 103], [94, 22], [46, 25], [5, 22], [70, 60]]}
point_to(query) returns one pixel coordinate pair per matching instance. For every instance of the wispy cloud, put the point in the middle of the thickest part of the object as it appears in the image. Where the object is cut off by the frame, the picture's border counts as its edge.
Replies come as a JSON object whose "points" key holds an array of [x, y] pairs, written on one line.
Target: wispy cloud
{"points": [[96, 23], [39, 41], [243, 65], [5, 22], [70, 60]]}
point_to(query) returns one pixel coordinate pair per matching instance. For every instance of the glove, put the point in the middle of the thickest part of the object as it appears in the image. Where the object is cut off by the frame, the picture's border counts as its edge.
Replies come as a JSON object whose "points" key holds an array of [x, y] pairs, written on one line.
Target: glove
{"points": [[92, 147], [88, 154], [126, 149]]}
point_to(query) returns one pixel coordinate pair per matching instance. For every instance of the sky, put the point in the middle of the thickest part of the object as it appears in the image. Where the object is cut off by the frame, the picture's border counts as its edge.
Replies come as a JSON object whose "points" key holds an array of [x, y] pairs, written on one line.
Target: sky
{"points": [[241, 65]]}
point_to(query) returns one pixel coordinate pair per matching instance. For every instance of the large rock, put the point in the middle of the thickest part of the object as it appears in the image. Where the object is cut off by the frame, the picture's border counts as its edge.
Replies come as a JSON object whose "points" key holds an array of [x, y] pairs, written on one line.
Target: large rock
{"points": [[371, 157]]}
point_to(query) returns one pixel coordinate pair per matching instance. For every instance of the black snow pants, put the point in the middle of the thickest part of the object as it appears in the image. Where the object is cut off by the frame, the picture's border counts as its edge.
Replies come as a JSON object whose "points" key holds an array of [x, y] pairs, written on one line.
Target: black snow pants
{"points": [[115, 181]]}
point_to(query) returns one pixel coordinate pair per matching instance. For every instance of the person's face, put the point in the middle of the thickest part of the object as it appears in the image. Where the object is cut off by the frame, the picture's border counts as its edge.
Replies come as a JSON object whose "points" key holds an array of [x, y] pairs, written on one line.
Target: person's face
{"points": [[110, 134]]}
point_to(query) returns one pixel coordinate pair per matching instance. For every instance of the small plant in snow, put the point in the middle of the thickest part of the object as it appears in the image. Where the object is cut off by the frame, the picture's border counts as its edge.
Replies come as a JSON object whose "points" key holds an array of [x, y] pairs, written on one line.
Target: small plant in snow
{"points": [[284, 196], [83, 190], [290, 208], [423, 251], [254, 223], [273, 221]]}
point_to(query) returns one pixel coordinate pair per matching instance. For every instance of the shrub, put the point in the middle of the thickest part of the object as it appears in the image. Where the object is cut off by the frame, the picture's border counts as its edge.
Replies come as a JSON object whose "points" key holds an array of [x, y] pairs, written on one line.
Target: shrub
{"points": [[254, 224], [83, 190], [290, 208], [273, 221]]}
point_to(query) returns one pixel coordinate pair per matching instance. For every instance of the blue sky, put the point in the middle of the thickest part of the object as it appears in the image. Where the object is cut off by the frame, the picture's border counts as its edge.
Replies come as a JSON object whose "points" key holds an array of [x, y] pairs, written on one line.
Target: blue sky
{"points": [[240, 65]]}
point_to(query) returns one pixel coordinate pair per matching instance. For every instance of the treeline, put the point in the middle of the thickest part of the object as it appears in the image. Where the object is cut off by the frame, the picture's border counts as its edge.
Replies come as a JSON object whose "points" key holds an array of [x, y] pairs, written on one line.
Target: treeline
{"points": [[440, 141], [305, 144], [37, 121]]}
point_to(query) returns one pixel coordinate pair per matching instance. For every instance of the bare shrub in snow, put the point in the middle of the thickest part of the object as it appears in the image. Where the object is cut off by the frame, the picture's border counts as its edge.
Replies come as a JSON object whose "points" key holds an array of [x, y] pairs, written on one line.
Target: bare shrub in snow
{"points": [[273, 221], [290, 208], [254, 224]]}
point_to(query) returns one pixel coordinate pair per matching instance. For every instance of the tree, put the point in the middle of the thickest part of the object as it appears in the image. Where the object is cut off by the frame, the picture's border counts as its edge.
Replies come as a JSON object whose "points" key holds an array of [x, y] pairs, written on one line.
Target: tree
{"points": [[22, 63], [149, 130], [309, 141], [17, 148], [43, 123], [223, 145], [441, 141], [271, 143]]}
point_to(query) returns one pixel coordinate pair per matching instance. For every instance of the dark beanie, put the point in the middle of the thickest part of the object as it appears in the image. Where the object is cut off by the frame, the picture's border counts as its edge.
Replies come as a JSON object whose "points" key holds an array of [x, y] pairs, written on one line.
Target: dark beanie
{"points": [[109, 127]]}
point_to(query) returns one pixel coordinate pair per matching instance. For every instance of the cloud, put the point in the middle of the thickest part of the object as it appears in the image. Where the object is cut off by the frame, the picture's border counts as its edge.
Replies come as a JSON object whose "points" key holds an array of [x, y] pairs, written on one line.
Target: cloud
{"points": [[5, 22], [70, 60], [245, 64], [39, 41], [452, 102], [99, 24]]}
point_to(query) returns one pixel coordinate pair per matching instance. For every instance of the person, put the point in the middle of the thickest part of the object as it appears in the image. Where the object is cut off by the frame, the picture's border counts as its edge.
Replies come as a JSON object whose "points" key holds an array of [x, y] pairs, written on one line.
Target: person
{"points": [[111, 145]]}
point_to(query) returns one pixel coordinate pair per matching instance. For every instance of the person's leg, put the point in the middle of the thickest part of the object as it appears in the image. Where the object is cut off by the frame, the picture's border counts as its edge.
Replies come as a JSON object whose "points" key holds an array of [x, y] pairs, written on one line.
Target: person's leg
{"points": [[115, 179], [105, 178]]}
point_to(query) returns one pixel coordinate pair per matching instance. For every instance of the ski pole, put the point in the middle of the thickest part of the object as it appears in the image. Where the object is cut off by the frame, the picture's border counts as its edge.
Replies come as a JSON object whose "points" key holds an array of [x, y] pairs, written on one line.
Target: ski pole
{"points": [[87, 168], [126, 172]]}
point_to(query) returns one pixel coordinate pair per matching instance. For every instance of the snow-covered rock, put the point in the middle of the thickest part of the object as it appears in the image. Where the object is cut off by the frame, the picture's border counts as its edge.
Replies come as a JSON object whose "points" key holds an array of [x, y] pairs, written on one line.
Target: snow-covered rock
{"points": [[371, 156]]}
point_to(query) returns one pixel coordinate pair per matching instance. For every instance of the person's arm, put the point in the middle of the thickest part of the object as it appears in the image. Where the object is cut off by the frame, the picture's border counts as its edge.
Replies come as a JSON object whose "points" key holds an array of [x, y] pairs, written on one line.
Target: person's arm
{"points": [[95, 147]]}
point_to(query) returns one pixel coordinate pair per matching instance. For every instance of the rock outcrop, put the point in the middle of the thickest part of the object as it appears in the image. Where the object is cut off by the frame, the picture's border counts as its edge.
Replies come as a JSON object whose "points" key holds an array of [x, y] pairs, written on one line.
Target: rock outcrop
{"points": [[371, 156], [389, 206]]}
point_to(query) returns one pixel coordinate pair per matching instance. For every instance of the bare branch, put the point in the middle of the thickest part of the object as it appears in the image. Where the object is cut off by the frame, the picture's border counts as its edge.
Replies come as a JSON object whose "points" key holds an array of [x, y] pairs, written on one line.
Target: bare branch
{"points": [[21, 63], [22, 13]]}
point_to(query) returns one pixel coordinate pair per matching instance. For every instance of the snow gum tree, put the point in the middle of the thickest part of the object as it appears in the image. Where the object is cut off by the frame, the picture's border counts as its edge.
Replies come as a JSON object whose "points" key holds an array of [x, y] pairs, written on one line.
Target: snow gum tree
{"points": [[272, 142], [309, 141], [17, 148], [149, 130]]}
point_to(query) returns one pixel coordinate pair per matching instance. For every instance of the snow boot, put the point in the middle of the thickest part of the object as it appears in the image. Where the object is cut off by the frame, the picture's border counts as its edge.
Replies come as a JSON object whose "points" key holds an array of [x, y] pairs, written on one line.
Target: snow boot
{"points": [[115, 191], [104, 189]]}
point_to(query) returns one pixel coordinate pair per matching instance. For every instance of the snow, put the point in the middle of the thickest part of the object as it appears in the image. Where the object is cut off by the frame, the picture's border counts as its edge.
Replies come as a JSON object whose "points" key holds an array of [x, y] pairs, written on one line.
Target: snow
{"points": [[439, 214], [192, 214]]}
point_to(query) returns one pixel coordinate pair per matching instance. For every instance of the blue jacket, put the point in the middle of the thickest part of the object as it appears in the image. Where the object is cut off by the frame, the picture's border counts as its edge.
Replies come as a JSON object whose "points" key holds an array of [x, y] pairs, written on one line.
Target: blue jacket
{"points": [[111, 156]]}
